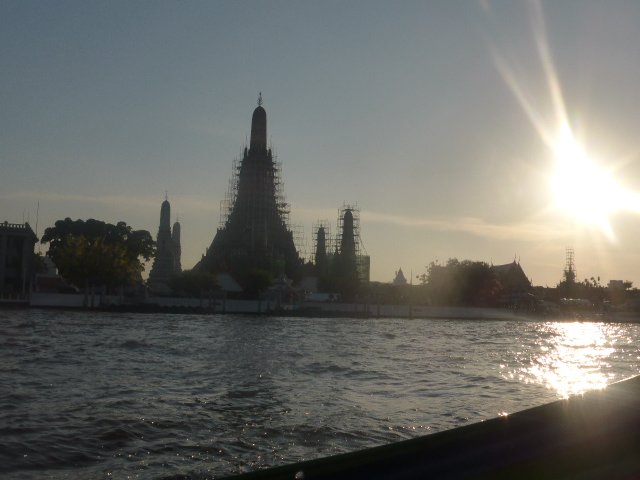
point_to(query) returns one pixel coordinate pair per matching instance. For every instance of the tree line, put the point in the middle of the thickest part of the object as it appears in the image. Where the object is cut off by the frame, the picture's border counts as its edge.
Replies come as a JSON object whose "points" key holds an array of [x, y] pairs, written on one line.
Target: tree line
{"points": [[93, 253], [477, 284]]}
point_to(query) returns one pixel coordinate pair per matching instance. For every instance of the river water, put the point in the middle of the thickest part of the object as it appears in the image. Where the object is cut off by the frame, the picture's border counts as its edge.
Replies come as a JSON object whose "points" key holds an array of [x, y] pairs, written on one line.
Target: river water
{"points": [[99, 395]]}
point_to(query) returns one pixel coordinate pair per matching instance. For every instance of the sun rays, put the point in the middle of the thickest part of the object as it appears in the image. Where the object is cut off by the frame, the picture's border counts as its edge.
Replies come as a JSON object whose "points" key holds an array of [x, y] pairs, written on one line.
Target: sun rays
{"points": [[581, 186]]}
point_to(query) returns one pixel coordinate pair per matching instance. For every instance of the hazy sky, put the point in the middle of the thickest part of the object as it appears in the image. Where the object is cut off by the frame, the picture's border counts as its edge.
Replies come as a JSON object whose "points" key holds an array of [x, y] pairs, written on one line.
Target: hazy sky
{"points": [[430, 115]]}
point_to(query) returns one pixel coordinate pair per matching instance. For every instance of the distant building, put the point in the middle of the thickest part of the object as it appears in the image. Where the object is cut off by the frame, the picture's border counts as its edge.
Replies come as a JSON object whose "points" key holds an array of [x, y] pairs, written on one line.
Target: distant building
{"points": [[321, 259], [17, 242], [228, 284], [255, 234], [177, 249], [341, 263], [399, 278], [351, 250], [345, 263], [168, 251], [47, 280], [617, 285], [512, 278]]}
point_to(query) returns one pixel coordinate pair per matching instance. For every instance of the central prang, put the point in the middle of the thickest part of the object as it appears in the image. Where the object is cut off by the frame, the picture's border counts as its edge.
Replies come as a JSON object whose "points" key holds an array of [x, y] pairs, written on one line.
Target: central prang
{"points": [[255, 236]]}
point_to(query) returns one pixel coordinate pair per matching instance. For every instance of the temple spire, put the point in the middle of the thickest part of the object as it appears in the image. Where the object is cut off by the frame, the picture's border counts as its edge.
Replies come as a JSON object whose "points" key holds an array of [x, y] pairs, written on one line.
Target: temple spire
{"points": [[259, 127], [165, 214], [255, 234]]}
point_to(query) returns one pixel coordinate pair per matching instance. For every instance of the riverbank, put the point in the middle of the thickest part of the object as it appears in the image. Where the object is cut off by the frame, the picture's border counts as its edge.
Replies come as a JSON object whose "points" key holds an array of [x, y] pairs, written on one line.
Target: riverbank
{"points": [[180, 305], [262, 307]]}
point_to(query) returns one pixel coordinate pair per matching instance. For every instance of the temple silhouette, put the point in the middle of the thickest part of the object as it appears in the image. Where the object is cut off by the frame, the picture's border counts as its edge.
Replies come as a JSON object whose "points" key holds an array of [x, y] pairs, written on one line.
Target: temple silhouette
{"points": [[254, 234], [341, 262], [167, 259]]}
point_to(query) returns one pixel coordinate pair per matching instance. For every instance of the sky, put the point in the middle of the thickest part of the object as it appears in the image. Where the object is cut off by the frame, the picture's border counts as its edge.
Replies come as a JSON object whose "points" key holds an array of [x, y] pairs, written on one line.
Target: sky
{"points": [[443, 121]]}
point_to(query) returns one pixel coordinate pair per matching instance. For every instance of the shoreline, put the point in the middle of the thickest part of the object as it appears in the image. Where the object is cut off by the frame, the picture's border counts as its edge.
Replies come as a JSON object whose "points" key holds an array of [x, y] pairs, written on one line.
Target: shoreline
{"points": [[217, 306]]}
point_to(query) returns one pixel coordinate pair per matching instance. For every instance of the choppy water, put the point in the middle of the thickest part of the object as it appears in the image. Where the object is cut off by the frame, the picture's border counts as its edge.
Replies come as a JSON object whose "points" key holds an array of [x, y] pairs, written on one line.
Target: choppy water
{"points": [[94, 395]]}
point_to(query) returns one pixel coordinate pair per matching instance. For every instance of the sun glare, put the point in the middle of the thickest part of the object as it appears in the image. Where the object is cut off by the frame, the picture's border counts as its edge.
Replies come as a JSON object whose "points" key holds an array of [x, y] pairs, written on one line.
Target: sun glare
{"points": [[573, 358], [581, 187]]}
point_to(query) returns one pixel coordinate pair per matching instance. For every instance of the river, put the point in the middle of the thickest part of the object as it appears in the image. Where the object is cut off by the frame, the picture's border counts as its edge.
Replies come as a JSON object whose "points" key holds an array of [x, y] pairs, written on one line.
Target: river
{"points": [[105, 395]]}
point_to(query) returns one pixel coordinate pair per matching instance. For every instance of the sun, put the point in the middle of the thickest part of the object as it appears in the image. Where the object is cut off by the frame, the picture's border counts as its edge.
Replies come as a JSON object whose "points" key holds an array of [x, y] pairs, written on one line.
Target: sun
{"points": [[581, 187]]}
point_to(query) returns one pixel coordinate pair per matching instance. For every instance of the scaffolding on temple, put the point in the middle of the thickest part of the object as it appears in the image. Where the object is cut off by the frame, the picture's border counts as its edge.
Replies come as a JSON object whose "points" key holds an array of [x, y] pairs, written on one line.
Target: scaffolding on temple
{"points": [[299, 240], [263, 210], [254, 232], [282, 205], [340, 227], [226, 205], [570, 267], [362, 259], [326, 242]]}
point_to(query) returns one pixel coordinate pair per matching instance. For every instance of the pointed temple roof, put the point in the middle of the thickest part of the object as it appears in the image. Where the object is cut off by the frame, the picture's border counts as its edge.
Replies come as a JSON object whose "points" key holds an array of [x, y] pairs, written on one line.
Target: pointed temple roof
{"points": [[259, 127], [255, 235]]}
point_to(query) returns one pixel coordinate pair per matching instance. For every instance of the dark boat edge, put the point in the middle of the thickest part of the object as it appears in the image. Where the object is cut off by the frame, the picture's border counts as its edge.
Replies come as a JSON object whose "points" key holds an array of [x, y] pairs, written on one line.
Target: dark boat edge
{"points": [[589, 436]]}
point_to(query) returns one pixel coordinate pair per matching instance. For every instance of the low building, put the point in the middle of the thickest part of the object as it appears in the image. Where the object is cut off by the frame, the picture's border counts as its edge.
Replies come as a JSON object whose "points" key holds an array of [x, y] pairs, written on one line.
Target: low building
{"points": [[399, 279], [17, 242], [516, 287], [512, 277], [48, 280]]}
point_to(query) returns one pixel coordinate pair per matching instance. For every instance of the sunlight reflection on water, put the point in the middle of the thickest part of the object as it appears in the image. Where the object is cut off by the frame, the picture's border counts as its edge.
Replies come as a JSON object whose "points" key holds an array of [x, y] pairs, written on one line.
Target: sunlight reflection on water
{"points": [[188, 396], [573, 358]]}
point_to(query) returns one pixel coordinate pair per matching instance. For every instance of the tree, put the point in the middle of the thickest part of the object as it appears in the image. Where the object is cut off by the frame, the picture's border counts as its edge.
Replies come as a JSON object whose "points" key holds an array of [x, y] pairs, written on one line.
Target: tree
{"points": [[463, 283], [194, 283], [257, 281], [96, 253], [39, 265], [568, 287]]}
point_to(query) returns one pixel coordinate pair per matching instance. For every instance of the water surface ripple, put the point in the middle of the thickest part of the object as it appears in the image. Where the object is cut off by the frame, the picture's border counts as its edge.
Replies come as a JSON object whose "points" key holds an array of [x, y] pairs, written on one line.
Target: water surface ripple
{"points": [[98, 395]]}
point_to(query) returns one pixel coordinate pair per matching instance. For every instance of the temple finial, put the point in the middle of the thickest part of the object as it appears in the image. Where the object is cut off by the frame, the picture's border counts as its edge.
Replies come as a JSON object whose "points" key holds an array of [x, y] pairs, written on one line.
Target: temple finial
{"points": [[258, 137]]}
